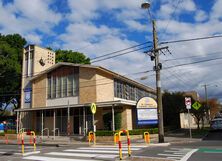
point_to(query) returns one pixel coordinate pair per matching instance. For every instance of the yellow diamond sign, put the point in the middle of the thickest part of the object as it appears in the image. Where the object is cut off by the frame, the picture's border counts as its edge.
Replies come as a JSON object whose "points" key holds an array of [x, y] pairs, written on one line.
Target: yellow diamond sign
{"points": [[93, 108], [196, 105]]}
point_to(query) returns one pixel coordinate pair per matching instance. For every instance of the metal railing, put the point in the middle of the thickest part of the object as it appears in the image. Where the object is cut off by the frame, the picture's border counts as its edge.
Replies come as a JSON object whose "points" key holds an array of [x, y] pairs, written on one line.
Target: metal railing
{"points": [[47, 132], [55, 132]]}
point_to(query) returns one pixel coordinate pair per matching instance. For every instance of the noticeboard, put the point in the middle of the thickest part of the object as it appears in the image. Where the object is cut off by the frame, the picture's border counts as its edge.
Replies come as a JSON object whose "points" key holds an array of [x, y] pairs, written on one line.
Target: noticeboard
{"points": [[147, 111]]}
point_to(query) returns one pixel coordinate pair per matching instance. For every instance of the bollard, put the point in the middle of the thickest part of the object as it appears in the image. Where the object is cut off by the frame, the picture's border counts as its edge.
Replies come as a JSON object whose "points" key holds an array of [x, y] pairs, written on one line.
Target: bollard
{"points": [[116, 138], [23, 148], [18, 139], [120, 147], [92, 137], [30, 139], [147, 137], [34, 140], [128, 143]]}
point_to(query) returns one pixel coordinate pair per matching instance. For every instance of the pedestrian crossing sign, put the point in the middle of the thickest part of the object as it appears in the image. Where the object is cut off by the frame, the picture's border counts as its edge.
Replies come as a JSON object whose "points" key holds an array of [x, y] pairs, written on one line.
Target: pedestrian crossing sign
{"points": [[196, 105], [93, 108]]}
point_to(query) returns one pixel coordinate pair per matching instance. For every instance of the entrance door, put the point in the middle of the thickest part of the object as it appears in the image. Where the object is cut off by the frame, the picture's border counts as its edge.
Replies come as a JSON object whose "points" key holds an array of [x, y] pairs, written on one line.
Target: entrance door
{"points": [[76, 124]]}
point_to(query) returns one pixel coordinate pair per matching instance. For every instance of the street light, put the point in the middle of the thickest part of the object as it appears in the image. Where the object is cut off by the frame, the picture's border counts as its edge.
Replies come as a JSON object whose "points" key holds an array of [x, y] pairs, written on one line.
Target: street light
{"points": [[157, 68]]}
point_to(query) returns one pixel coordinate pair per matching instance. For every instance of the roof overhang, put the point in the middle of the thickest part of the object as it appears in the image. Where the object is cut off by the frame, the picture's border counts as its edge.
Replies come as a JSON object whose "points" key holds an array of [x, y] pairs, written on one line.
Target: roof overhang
{"points": [[98, 104]]}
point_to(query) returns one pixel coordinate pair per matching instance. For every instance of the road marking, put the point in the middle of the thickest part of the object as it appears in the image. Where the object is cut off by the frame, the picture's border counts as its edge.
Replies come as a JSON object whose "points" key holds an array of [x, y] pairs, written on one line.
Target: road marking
{"points": [[95, 151], [82, 155], [173, 155], [30, 153], [188, 155], [205, 150], [107, 148], [41, 158]]}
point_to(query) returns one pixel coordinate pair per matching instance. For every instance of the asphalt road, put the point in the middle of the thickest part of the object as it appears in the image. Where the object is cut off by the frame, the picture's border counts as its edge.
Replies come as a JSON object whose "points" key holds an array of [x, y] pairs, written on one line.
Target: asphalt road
{"points": [[210, 149]]}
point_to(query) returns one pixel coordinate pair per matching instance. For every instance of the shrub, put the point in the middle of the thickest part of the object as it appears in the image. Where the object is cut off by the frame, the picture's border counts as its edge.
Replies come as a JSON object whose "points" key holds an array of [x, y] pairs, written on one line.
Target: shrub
{"points": [[131, 132]]}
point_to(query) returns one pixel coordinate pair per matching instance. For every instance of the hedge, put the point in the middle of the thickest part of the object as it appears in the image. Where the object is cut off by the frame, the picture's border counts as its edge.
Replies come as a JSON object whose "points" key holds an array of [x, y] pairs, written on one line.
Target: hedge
{"points": [[131, 132]]}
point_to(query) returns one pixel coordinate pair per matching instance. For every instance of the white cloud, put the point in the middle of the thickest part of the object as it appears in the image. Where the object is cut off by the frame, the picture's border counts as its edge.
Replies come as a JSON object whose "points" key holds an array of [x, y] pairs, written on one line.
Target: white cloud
{"points": [[26, 17], [200, 16]]}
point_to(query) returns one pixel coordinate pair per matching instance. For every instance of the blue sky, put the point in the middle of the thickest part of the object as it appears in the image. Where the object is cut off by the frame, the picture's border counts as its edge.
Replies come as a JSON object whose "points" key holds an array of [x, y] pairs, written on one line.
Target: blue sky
{"points": [[97, 27]]}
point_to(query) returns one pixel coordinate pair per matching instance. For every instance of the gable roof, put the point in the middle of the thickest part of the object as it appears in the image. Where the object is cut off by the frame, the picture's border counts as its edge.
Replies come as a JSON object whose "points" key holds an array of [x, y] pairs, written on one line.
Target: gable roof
{"points": [[115, 75]]}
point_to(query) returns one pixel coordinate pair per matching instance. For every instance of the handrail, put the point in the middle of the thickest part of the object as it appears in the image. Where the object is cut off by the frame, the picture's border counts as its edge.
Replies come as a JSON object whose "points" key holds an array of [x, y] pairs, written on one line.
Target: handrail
{"points": [[54, 130], [43, 132], [22, 130]]}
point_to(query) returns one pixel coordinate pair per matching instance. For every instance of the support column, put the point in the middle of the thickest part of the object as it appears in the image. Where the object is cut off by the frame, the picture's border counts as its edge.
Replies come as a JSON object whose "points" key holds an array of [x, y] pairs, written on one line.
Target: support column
{"points": [[68, 120], [84, 121], [17, 123], [42, 124], [54, 122], [113, 118], [20, 121]]}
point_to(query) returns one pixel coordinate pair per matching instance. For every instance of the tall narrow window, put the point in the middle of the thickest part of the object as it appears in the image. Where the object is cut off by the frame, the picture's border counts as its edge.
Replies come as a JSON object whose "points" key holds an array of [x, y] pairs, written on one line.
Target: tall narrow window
{"points": [[70, 85], [76, 84], [59, 86], [54, 87], [64, 86], [49, 87]]}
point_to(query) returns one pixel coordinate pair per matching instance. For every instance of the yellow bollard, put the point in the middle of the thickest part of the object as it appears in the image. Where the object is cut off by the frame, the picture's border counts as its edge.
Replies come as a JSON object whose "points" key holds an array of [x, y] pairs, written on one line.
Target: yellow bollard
{"points": [[128, 143], [116, 138], [23, 148], [120, 146], [34, 140], [147, 137], [92, 137]]}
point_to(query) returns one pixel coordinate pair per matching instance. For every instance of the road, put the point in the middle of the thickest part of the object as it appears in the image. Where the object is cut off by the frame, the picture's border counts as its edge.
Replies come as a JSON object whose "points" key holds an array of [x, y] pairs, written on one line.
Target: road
{"points": [[78, 152], [210, 149]]}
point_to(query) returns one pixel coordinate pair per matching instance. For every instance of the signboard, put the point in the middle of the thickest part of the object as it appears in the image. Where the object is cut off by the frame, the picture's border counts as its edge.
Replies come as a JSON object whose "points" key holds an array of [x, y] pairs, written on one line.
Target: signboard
{"points": [[196, 105], [147, 111], [93, 108], [1, 128], [188, 102], [27, 95]]}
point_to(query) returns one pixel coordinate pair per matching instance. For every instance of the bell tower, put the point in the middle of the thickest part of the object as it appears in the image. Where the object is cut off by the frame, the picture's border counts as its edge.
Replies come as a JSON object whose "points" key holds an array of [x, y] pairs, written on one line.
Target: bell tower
{"points": [[35, 60]]}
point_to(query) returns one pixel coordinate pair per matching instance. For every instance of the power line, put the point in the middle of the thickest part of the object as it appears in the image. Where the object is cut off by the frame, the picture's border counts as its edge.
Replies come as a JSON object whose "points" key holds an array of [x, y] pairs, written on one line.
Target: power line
{"points": [[121, 50], [191, 39], [120, 54]]}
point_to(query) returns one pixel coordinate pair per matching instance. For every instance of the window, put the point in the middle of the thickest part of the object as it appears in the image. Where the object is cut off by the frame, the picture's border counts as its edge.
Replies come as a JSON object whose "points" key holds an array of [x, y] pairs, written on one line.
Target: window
{"points": [[127, 91], [59, 87], [64, 86], [54, 87], [70, 85], [49, 86]]}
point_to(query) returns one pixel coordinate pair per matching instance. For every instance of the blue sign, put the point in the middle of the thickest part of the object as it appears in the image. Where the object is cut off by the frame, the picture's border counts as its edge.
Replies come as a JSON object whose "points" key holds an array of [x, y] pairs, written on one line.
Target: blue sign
{"points": [[27, 95], [147, 116], [1, 128]]}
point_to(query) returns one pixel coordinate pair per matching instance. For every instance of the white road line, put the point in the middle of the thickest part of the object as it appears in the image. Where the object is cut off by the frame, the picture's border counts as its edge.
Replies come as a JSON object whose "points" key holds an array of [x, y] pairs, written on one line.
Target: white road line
{"points": [[173, 151], [82, 155], [96, 151], [41, 158], [188, 155], [171, 155], [72, 154], [109, 148], [183, 149], [30, 153]]}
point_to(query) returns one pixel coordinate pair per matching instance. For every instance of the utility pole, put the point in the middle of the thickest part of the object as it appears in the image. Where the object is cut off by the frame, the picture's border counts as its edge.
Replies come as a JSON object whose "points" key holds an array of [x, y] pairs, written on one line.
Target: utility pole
{"points": [[157, 68]]}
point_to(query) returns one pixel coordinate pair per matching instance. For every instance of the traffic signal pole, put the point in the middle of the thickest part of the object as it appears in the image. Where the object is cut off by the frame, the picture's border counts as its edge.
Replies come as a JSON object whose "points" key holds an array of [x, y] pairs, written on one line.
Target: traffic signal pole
{"points": [[158, 85]]}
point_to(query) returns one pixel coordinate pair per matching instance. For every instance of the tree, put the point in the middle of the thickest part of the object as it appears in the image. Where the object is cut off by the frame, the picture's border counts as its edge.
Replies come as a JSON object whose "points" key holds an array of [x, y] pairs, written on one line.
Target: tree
{"points": [[173, 104], [71, 56], [11, 47]]}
